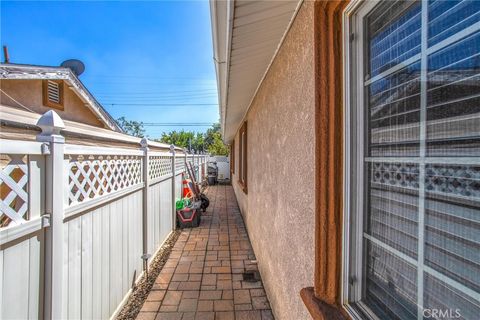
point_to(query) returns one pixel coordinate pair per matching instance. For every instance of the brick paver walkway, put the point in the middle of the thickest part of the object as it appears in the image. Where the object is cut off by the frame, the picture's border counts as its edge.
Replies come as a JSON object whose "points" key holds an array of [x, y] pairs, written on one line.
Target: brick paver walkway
{"points": [[202, 278]]}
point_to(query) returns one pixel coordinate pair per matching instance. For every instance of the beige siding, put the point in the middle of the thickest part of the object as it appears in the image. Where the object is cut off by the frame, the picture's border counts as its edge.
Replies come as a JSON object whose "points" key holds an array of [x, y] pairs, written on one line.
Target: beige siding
{"points": [[279, 207], [29, 93]]}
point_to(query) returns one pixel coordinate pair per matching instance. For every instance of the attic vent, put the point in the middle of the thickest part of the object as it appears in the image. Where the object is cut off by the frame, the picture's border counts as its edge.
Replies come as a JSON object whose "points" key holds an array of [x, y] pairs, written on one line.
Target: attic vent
{"points": [[53, 94]]}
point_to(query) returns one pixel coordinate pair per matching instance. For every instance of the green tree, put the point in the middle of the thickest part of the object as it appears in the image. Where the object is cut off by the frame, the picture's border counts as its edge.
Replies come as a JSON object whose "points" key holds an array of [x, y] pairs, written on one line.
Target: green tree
{"points": [[217, 147], [131, 127], [184, 139], [211, 141]]}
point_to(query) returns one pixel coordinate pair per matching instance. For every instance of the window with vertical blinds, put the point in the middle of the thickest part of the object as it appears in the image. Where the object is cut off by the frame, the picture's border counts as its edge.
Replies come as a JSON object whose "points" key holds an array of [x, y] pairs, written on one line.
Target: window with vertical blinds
{"points": [[420, 132]]}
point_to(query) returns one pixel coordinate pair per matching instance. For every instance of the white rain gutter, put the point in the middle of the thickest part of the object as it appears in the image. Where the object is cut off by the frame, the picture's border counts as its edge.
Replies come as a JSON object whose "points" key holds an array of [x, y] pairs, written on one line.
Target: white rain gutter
{"points": [[221, 13]]}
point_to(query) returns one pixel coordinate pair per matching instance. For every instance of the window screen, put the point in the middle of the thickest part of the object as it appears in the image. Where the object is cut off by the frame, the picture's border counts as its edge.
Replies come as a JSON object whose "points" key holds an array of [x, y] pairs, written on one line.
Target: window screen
{"points": [[421, 134]]}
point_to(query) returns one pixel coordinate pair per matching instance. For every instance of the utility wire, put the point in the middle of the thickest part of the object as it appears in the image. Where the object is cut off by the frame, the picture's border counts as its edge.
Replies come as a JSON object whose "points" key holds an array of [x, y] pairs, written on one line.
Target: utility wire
{"points": [[159, 97], [19, 104], [160, 104], [147, 77], [176, 123], [179, 125]]}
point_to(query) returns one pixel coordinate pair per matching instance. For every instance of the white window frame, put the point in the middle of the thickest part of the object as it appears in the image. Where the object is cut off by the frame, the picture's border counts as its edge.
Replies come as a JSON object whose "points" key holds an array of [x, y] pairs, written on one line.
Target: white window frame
{"points": [[354, 149], [353, 178]]}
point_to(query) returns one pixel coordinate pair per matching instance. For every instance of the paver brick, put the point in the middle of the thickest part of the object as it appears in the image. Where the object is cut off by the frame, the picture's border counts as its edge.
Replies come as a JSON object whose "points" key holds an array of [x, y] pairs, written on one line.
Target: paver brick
{"points": [[190, 294], [223, 305], [156, 295], [169, 316], [172, 298], [205, 305], [248, 315], [187, 305], [150, 306], [146, 315], [210, 295], [241, 296], [189, 285], [221, 270], [205, 316], [225, 315], [259, 303], [202, 279], [209, 279]]}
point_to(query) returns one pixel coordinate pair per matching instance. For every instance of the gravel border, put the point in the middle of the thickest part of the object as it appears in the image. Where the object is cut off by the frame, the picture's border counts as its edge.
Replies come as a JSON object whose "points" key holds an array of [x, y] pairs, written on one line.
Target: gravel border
{"points": [[143, 287]]}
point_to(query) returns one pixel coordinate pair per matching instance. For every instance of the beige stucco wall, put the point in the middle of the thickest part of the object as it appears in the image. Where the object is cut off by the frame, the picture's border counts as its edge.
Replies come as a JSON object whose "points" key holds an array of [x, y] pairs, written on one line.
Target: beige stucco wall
{"points": [[29, 93], [278, 209]]}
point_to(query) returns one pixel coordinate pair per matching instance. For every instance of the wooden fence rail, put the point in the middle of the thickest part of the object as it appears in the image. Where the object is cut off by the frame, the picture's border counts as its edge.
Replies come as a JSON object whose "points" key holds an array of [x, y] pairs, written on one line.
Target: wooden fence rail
{"points": [[76, 220]]}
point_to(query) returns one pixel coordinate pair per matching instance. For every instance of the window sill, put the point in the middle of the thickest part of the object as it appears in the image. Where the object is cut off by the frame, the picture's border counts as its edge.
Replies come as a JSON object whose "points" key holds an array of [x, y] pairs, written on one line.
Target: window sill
{"points": [[320, 310], [244, 187]]}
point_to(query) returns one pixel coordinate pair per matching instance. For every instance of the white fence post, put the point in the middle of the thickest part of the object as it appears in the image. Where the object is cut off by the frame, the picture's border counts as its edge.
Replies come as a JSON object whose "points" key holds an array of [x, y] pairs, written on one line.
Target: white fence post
{"points": [[186, 161], [174, 182], [51, 125], [205, 165], [146, 194]]}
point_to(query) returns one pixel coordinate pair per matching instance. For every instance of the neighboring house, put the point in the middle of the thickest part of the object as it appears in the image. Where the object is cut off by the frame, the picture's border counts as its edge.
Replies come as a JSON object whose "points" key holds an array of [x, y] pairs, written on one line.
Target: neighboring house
{"points": [[36, 89], [355, 144]]}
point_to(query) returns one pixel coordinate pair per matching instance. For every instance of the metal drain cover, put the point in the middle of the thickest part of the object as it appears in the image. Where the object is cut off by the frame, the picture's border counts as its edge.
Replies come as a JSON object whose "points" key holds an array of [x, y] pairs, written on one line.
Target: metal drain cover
{"points": [[251, 276]]}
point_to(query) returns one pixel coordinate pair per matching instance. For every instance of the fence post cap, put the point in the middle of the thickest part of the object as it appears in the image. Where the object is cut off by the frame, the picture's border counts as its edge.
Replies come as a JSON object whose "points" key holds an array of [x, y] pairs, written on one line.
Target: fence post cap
{"points": [[172, 148], [50, 123], [144, 143]]}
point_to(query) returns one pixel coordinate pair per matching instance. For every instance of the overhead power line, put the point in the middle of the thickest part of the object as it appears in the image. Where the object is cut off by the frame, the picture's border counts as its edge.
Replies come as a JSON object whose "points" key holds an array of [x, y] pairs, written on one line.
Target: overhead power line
{"points": [[154, 92], [178, 124], [158, 97], [160, 104], [149, 77]]}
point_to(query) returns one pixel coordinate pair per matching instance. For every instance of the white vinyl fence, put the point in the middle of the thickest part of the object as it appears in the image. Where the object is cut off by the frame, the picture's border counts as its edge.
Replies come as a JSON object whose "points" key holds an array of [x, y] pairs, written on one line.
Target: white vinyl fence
{"points": [[76, 220]]}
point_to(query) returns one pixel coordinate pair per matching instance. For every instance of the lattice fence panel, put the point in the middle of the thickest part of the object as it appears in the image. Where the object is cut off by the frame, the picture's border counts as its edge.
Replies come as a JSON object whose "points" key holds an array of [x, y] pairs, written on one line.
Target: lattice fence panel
{"points": [[179, 164], [403, 175], [453, 180], [160, 166], [13, 189], [95, 176]]}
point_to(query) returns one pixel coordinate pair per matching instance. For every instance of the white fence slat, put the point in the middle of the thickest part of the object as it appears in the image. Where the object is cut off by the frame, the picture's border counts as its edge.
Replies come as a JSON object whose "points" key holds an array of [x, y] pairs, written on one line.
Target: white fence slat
{"points": [[105, 265], [138, 237], [131, 241], [2, 287], [66, 229], [15, 269], [138, 232], [150, 222], [97, 264], [116, 254], [158, 214], [113, 251], [74, 269], [165, 211], [35, 295], [87, 264], [179, 186], [125, 239]]}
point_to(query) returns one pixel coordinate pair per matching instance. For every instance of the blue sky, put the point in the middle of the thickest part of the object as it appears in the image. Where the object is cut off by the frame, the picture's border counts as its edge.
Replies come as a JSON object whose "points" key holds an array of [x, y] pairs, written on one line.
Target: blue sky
{"points": [[147, 56]]}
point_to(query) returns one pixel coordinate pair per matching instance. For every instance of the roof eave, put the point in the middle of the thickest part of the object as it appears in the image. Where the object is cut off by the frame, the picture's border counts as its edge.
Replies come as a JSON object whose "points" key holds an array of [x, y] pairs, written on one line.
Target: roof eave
{"points": [[221, 13]]}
